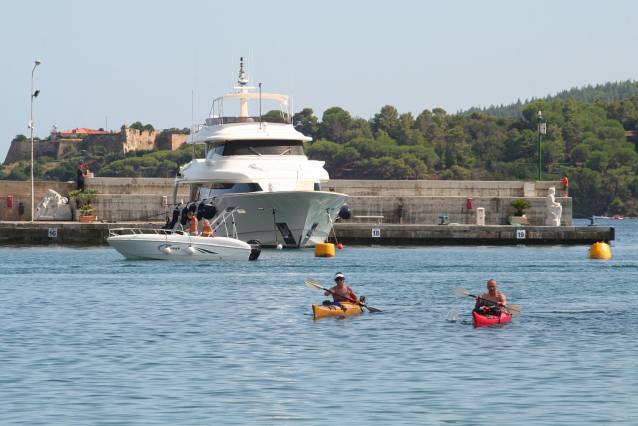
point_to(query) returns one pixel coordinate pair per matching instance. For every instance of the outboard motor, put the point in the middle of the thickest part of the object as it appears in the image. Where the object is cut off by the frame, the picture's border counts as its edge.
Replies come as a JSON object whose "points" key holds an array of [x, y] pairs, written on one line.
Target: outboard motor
{"points": [[171, 224], [345, 212], [200, 213], [255, 249], [184, 218], [209, 211]]}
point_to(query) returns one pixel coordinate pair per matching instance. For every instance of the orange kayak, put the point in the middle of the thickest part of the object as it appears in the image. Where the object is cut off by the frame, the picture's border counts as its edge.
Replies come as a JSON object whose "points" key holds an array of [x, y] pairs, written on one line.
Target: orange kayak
{"points": [[346, 308]]}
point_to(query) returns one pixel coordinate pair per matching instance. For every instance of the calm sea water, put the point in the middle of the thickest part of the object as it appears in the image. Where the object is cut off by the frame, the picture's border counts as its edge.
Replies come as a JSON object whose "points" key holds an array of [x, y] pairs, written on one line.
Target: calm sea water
{"points": [[88, 338]]}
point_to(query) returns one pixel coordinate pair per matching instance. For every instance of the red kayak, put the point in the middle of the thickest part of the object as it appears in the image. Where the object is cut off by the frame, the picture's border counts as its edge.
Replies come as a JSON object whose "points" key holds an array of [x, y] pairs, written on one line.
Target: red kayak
{"points": [[486, 319]]}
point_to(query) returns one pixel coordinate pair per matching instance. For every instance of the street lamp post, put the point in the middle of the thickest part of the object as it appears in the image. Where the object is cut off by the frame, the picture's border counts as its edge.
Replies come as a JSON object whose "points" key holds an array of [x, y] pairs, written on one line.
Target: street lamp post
{"points": [[33, 95], [541, 130]]}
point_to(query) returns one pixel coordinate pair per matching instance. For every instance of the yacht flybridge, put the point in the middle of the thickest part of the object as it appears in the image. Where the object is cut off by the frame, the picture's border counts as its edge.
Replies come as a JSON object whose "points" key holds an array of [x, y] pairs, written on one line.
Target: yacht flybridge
{"points": [[257, 163]]}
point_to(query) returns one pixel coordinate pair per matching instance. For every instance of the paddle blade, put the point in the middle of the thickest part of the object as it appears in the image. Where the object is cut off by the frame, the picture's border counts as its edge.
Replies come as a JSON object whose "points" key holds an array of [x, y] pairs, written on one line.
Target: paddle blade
{"points": [[461, 292], [514, 309], [371, 309], [313, 284]]}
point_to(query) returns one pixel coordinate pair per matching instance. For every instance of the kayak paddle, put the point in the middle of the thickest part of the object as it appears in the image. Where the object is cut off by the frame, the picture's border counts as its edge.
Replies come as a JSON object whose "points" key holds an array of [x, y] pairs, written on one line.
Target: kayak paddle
{"points": [[314, 284], [461, 292]]}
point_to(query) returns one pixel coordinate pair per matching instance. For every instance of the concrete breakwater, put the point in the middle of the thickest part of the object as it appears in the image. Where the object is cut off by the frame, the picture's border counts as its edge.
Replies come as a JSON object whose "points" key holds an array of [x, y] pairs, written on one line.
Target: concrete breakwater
{"points": [[406, 202], [38, 233], [401, 212], [424, 235]]}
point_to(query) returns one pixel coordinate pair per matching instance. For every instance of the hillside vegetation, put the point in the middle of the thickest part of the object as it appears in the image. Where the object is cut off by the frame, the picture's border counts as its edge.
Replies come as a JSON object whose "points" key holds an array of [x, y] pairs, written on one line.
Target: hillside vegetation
{"points": [[601, 92]]}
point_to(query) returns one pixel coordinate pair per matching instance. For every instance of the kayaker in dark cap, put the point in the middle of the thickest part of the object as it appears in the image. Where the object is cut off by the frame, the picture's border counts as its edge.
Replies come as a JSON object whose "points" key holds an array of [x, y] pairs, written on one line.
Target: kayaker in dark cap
{"points": [[341, 288], [491, 298]]}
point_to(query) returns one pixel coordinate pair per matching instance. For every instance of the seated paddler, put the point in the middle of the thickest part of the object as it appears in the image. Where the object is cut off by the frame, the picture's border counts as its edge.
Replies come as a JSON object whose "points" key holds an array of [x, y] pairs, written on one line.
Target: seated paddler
{"points": [[491, 301], [343, 289]]}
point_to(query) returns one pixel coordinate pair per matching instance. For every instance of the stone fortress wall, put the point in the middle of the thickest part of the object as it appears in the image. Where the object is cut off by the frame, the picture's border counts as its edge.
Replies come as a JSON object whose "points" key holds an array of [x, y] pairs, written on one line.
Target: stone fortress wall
{"points": [[124, 141]]}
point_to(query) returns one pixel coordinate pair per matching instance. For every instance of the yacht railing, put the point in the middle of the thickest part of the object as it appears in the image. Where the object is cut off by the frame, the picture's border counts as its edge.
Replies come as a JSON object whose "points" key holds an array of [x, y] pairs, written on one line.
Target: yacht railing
{"points": [[216, 121], [220, 220], [113, 232]]}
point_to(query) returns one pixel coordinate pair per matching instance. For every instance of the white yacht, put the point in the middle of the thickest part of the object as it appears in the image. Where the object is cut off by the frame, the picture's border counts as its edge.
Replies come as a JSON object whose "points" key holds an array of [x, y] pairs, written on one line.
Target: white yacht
{"points": [[257, 163]]}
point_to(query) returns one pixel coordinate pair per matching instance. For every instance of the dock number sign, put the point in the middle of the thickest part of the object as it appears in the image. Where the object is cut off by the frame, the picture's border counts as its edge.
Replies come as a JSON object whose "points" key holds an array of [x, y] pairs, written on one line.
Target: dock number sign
{"points": [[376, 233], [520, 234], [53, 233]]}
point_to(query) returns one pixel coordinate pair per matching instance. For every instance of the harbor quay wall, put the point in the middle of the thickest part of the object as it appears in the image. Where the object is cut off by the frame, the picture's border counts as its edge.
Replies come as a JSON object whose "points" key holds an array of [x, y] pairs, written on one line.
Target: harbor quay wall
{"points": [[419, 201], [348, 233], [119, 198], [416, 210], [443, 188], [389, 234], [63, 232], [21, 193]]}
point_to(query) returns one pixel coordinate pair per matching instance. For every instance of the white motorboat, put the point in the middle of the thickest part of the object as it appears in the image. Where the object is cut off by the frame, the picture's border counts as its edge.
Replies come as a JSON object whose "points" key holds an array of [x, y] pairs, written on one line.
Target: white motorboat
{"points": [[258, 162], [164, 244]]}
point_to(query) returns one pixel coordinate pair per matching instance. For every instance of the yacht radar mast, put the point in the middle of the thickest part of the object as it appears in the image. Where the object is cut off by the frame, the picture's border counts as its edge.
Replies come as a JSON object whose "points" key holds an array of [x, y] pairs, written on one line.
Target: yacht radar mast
{"points": [[242, 88]]}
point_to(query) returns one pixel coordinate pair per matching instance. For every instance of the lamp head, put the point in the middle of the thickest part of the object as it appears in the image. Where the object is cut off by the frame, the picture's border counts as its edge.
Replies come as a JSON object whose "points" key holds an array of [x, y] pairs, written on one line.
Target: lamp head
{"points": [[539, 114], [37, 63]]}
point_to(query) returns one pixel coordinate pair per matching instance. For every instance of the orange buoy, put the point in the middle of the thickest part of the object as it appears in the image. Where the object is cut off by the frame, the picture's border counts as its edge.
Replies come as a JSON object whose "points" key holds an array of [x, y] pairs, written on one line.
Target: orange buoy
{"points": [[324, 250], [599, 251]]}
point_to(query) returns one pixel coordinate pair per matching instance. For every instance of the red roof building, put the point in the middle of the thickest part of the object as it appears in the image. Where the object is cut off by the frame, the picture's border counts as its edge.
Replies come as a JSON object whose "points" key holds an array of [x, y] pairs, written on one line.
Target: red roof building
{"points": [[79, 131]]}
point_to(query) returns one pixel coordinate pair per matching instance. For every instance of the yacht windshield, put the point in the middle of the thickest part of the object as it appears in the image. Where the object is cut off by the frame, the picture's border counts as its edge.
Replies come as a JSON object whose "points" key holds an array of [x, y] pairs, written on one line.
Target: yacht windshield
{"points": [[209, 190], [257, 147]]}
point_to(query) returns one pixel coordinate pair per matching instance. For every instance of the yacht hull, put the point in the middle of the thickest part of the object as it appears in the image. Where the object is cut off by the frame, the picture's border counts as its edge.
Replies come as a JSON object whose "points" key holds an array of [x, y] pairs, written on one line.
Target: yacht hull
{"points": [[177, 247], [294, 219]]}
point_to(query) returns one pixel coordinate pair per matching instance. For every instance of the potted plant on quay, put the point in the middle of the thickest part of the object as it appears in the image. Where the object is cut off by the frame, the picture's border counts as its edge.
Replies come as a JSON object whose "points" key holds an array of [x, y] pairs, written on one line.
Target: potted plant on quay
{"points": [[83, 200], [520, 205]]}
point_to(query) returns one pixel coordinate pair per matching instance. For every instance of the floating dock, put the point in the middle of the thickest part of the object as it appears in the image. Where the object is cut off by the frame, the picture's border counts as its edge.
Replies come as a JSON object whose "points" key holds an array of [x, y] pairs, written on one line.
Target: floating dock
{"points": [[38, 233]]}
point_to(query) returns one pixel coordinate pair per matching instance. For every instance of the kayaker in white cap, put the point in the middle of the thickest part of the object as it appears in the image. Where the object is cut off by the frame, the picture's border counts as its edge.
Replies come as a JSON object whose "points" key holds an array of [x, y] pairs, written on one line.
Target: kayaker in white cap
{"points": [[491, 298], [342, 289]]}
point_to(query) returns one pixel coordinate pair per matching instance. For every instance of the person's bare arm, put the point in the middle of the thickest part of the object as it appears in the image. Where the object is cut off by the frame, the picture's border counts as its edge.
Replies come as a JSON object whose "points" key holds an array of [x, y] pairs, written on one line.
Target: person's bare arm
{"points": [[352, 295], [502, 299]]}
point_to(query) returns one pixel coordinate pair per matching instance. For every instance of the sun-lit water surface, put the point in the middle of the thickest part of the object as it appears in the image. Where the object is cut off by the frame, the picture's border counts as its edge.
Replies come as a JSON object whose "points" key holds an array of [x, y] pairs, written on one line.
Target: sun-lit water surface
{"points": [[88, 338]]}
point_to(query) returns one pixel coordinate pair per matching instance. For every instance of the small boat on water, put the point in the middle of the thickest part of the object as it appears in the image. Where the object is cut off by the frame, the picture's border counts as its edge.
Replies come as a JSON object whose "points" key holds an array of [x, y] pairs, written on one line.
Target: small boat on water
{"points": [[481, 319], [331, 310], [168, 244]]}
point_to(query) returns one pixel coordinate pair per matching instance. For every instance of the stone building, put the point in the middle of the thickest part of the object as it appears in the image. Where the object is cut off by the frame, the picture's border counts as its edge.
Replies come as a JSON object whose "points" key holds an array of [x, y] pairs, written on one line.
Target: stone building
{"points": [[125, 140]]}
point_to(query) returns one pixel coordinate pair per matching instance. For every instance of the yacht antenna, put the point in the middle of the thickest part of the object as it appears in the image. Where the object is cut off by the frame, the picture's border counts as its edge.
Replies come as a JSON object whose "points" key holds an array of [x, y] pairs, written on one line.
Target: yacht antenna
{"points": [[291, 113], [192, 101], [192, 120], [259, 106]]}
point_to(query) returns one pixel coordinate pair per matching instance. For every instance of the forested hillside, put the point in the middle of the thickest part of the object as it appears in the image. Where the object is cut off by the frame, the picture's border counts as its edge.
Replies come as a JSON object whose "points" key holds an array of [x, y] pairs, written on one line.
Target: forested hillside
{"points": [[601, 92]]}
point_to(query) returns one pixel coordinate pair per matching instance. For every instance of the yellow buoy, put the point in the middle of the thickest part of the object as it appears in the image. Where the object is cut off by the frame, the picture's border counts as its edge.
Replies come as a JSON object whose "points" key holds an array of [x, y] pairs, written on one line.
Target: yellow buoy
{"points": [[599, 251], [324, 250]]}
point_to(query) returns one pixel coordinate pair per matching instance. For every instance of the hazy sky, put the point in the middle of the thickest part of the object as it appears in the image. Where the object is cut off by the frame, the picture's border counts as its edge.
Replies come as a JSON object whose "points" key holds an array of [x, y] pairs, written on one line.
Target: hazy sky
{"points": [[140, 60]]}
